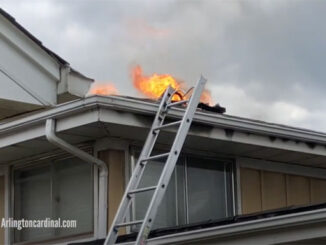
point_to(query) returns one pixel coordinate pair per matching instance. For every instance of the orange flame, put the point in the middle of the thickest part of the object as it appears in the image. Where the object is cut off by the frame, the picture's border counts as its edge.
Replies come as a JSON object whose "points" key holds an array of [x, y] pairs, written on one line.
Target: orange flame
{"points": [[155, 85], [151, 86], [103, 89]]}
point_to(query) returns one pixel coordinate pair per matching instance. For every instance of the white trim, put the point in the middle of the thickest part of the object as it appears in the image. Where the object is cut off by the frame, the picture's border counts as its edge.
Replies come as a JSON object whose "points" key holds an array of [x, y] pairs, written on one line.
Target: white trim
{"points": [[127, 177], [132, 163], [58, 153], [238, 201], [281, 167], [128, 172], [96, 202], [6, 173], [216, 120], [109, 143], [100, 221]]}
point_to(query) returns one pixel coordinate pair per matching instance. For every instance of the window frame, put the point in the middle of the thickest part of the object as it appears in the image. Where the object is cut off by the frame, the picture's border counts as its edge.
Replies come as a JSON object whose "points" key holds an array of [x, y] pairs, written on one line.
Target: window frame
{"points": [[187, 154], [49, 159]]}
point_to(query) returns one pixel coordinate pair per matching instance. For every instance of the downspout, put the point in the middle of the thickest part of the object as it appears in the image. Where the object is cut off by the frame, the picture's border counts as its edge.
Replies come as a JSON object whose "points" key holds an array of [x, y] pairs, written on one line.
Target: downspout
{"points": [[50, 133]]}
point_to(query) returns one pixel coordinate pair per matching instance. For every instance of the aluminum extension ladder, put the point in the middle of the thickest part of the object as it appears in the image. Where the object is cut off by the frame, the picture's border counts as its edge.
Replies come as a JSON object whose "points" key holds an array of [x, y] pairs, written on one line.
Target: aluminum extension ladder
{"points": [[144, 158]]}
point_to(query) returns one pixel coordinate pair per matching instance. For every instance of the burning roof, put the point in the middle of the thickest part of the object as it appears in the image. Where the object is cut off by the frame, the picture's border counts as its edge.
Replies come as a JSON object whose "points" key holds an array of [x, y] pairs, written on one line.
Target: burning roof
{"points": [[153, 86]]}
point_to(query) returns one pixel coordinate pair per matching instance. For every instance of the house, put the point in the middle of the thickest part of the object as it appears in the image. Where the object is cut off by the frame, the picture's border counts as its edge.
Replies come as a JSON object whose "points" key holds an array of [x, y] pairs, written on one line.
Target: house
{"points": [[67, 156]]}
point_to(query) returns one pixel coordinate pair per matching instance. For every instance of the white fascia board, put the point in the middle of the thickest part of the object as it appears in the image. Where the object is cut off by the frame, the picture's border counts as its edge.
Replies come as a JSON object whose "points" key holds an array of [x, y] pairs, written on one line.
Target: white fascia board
{"points": [[246, 227], [258, 130], [38, 129], [22, 135], [63, 110], [29, 48], [217, 120], [262, 140]]}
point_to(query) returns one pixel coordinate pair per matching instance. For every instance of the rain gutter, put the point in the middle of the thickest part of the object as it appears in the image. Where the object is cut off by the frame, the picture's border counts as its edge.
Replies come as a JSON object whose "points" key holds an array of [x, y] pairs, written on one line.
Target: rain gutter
{"points": [[137, 106], [50, 133]]}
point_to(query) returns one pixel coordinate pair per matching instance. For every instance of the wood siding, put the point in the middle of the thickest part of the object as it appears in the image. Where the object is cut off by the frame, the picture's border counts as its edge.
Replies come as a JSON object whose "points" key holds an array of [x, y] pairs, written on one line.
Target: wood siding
{"points": [[2, 207], [251, 197], [318, 190], [265, 190], [115, 160], [273, 190]]}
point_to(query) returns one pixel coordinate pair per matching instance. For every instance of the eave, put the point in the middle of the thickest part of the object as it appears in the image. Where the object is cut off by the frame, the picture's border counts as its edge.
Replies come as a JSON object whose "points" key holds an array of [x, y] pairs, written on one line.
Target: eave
{"points": [[80, 120]]}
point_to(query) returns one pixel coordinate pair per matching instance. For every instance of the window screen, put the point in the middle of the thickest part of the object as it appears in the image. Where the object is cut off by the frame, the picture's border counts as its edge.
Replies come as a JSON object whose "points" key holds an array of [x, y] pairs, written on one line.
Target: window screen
{"points": [[168, 207], [207, 190], [59, 189]]}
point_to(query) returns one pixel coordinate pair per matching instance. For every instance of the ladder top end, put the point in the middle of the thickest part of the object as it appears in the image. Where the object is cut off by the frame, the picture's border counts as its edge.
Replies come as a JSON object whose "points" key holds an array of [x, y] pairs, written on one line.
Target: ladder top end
{"points": [[202, 79]]}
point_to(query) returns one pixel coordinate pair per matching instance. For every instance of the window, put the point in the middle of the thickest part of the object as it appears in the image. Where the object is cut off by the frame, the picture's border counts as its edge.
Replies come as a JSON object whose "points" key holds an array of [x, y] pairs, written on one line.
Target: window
{"points": [[57, 189], [200, 190]]}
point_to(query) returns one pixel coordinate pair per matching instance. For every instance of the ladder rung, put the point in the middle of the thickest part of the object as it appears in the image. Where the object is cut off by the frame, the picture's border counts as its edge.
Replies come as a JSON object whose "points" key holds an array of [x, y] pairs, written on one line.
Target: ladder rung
{"points": [[155, 157], [136, 222], [167, 125], [142, 189], [170, 161], [177, 103], [125, 243]]}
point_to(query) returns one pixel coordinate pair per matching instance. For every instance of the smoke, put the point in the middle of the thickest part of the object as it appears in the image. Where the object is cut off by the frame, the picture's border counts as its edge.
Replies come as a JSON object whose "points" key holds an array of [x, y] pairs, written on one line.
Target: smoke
{"points": [[271, 52]]}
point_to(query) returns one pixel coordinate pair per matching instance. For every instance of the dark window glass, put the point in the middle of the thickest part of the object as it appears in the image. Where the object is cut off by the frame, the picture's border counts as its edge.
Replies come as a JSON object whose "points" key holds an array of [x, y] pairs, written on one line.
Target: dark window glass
{"points": [[61, 189], [207, 190], [167, 213], [200, 189]]}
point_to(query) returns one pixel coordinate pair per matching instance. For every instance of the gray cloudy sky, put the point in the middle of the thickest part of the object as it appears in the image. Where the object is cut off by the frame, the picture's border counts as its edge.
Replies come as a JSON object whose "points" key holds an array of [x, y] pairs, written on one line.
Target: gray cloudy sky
{"points": [[264, 59]]}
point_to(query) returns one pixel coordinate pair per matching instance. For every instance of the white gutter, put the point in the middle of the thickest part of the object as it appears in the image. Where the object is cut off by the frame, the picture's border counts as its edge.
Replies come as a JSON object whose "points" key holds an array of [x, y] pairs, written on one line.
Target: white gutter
{"points": [[144, 107], [93, 109], [50, 133]]}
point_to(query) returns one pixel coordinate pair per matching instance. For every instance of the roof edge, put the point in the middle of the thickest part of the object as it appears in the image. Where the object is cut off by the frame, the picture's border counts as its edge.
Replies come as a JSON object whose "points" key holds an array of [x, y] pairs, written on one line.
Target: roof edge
{"points": [[149, 108], [290, 220], [56, 57], [13, 21]]}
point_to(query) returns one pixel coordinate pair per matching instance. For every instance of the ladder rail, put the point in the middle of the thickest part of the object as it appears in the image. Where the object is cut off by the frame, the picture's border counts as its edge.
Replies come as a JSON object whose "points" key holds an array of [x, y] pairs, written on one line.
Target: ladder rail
{"points": [[170, 163], [139, 168], [145, 156]]}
